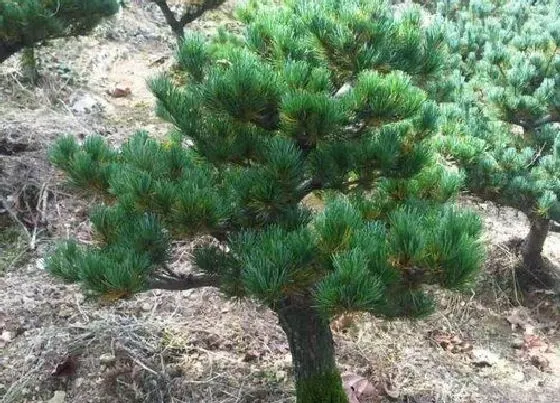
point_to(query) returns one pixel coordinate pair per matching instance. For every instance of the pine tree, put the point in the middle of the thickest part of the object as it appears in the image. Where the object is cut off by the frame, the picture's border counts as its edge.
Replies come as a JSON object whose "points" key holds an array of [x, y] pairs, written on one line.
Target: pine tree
{"points": [[25, 24], [504, 127], [317, 99], [192, 9]]}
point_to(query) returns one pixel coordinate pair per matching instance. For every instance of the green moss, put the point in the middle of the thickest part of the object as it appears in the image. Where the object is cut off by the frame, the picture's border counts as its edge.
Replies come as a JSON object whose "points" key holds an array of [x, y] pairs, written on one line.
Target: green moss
{"points": [[321, 388]]}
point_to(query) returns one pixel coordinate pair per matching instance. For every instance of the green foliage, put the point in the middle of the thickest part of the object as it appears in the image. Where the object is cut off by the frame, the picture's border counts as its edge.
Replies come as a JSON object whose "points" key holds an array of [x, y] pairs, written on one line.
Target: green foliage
{"points": [[503, 126], [305, 102], [25, 23]]}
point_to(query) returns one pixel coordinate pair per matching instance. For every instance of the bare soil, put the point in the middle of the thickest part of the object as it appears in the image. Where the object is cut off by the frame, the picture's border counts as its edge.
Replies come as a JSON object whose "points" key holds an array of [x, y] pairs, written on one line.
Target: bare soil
{"points": [[497, 343]]}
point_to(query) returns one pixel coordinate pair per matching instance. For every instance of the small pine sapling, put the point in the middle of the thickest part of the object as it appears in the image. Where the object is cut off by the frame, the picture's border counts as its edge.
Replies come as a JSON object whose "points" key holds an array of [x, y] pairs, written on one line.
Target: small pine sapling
{"points": [[192, 9]]}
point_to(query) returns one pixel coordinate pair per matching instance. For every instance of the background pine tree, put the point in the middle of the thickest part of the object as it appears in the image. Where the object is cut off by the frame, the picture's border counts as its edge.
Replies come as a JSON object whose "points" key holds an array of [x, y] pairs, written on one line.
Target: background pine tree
{"points": [[192, 9], [504, 127], [317, 99], [27, 23]]}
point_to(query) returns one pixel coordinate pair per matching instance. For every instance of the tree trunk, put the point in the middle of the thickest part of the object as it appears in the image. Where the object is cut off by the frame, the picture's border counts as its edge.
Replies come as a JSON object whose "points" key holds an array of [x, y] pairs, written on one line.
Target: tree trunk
{"points": [[177, 27], [29, 65], [179, 33], [311, 344], [534, 243]]}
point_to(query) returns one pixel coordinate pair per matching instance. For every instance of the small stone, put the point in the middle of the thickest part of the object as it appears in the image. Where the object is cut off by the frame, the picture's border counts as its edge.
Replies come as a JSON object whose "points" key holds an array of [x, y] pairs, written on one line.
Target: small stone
{"points": [[40, 264], [59, 397], [280, 375], [107, 359], [65, 312], [83, 103], [517, 344], [483, 358], [5, 338]]}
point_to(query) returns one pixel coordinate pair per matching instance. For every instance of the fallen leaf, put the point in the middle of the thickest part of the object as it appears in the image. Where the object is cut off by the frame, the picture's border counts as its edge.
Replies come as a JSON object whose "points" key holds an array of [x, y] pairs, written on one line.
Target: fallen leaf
{"points": [[450, 342], [532, 342], [121, 90], [342, 323]]}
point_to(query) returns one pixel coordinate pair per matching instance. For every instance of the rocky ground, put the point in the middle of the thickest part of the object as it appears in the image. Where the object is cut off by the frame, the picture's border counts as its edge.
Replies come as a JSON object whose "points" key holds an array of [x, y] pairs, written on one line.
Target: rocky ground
{"points": [[494, 344]]}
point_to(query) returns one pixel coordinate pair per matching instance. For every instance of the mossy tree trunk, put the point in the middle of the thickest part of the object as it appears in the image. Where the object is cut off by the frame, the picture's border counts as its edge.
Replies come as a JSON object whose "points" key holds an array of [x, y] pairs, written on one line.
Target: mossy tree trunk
{"points": [[534, 242], [29, 65], [311, 344]]}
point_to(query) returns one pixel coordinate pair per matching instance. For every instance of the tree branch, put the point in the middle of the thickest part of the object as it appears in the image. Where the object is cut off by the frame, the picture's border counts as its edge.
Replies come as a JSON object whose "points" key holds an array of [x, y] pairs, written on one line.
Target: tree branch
{"points": [[183, 282], [169, 16], [192, 14], [537, 123]]}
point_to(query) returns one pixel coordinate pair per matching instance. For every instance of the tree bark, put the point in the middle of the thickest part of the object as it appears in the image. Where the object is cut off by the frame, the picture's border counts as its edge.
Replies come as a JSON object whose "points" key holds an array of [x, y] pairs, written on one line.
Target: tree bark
{"points": [[311, 344], [29, 65], [177, 27], [534, 242], [190, 14]]}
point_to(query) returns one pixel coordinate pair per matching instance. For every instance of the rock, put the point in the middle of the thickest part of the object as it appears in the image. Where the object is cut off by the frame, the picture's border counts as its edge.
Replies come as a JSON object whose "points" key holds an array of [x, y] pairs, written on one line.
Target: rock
{"points": [[517, 344], [483, 358], [83, 103], [280, 375], [107, 359], [5, 338], [65, 312], [40, 264], [59, 397]]}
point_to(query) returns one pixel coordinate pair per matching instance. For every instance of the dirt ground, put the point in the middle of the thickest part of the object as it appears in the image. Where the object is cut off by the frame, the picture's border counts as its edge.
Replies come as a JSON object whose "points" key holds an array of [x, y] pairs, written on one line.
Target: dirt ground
{"points": [[492, 344]]}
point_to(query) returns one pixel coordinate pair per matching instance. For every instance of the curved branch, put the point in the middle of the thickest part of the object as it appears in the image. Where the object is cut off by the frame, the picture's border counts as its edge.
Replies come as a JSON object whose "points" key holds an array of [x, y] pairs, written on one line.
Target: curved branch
{"points": [[169, 16], [182, 283], [191, 15]]}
